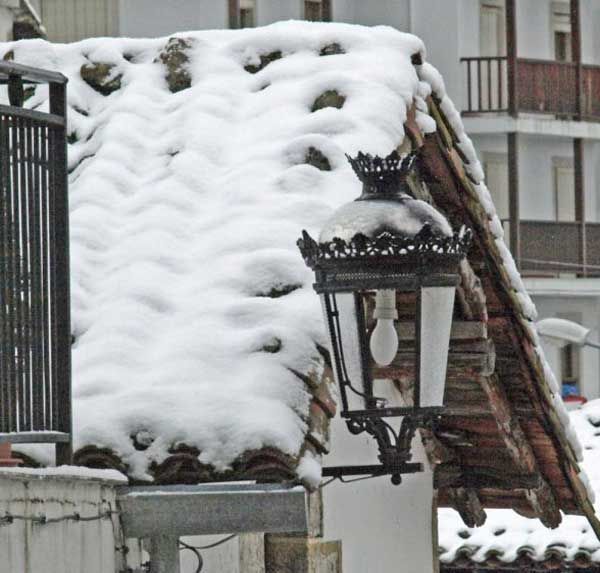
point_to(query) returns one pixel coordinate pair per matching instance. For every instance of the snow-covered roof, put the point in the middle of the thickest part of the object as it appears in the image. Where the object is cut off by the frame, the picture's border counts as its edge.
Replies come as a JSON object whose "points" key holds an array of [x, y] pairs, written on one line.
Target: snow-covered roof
{"points": [[185, 211], [194, 164], [507, 537]]}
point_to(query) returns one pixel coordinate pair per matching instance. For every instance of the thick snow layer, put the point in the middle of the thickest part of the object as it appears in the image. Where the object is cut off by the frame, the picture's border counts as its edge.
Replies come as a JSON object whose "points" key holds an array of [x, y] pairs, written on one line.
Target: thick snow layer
{"points": [[185, 210], [64, 472], [371, 219], [507, 535]]}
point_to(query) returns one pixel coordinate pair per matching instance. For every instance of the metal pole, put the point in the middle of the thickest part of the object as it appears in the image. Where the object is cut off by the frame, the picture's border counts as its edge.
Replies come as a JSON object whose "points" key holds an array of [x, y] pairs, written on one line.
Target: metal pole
{"points": [[164, 554]]}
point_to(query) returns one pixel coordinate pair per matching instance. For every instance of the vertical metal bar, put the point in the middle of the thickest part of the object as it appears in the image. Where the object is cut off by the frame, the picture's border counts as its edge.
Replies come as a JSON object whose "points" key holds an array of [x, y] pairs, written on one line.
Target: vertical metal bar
{"points": [[34, 260], [479, 86], [579, 165], [59, 190], [365, 354], [11, 252], [45, 279], [513, 196], [489, 82], [469, 85], [25, 325], [500, 84], [6, 348], [16, 262], [511, 53]]}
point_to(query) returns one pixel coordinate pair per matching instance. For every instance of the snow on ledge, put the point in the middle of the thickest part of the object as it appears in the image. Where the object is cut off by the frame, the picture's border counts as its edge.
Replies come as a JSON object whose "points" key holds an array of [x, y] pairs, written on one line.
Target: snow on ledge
{"points": [[64, 473]]}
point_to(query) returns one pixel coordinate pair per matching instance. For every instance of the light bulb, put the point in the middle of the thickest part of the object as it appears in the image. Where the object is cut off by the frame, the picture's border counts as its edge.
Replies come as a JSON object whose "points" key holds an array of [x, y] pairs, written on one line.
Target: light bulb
{"points": [[384, 342]]}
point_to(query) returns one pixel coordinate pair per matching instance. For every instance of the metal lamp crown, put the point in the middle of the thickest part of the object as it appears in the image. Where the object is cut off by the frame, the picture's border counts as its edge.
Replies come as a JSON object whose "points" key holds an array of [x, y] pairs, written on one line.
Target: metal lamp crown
{"points": [[383, 177]]}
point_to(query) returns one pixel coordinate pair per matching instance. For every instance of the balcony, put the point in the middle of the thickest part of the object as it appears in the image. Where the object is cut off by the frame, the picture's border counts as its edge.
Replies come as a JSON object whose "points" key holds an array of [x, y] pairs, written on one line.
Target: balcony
{"points": [[559, 89], [550, 248]]}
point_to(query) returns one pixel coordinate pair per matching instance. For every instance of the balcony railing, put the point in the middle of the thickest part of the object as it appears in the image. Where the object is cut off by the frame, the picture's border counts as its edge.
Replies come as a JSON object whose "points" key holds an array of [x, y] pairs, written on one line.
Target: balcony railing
{"points": [[35, 335], [550, 248], [542, 86]]}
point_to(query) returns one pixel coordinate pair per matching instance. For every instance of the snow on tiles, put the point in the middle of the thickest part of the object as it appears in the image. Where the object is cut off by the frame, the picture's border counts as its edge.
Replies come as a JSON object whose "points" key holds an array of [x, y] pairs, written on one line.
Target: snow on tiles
{"points": [[507, 535], [194, 162]]}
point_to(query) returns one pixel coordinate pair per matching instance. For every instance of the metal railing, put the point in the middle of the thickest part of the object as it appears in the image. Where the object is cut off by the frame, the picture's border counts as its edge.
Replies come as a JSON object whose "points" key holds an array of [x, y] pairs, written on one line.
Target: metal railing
{"points": [[486, 84], [550, 248], [542, 87], [35, 339]]}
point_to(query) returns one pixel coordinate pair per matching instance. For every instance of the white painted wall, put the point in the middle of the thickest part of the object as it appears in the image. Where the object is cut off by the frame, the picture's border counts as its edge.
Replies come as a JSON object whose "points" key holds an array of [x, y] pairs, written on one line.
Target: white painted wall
{"points": [[536, 171], [64, 547], [153, 18], [379, 524]]}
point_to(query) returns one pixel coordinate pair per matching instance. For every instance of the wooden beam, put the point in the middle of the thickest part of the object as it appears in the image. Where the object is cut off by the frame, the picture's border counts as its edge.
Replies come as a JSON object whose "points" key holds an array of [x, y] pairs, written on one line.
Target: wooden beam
{"points": [[468, 505], [513, 195], [576, 54], [544, 504], [578, 168], [453, 475], [541, 497], [511, 54]]}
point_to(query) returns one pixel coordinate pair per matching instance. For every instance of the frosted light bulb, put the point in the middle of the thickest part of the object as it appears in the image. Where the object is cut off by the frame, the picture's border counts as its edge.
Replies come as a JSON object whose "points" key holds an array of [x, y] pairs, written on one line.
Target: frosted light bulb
{"points": [[384, 342]]}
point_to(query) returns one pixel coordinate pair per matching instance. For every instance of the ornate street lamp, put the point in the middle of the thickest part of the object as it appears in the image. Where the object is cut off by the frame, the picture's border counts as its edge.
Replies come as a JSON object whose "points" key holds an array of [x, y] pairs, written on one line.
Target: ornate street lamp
{"points": [[384, 247]]}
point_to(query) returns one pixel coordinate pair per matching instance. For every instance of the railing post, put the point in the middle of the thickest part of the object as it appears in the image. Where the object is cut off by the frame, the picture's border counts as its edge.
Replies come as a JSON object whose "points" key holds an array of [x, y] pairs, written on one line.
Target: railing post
{"points": [[511, 54], [61, 271], [576, 51], [579, 165], [513, 196]]}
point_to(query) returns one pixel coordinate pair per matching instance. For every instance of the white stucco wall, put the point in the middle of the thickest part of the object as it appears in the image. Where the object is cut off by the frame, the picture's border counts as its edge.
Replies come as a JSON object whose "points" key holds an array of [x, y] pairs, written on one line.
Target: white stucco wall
{"points": [[65, 546], [379, 524]]}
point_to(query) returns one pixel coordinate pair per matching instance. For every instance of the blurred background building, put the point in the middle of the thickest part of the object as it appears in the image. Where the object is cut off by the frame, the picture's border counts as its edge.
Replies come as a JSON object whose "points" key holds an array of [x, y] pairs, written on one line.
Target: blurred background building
{"points": [[527, 76]]}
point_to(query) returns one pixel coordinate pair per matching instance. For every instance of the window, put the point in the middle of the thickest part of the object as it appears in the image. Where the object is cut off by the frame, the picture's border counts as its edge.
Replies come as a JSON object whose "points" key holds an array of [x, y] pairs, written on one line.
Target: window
{"points": [[242, 13], [561, 31], [492, 34], [564, 188], [247, 13], [317, 10]]}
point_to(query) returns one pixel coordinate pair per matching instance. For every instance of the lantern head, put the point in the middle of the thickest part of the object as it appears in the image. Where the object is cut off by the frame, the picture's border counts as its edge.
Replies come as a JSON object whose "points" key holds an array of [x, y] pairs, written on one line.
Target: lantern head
{"points": [[385, 255]]}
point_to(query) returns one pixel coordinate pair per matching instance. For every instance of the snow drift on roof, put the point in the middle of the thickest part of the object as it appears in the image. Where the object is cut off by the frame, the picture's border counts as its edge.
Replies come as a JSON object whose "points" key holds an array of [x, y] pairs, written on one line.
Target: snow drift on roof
{"points": [[185, 209]]}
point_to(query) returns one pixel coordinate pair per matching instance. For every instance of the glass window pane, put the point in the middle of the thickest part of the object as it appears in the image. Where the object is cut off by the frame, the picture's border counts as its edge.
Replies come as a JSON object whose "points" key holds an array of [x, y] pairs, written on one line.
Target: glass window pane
{"points": [[347, 357], [437, 305]]}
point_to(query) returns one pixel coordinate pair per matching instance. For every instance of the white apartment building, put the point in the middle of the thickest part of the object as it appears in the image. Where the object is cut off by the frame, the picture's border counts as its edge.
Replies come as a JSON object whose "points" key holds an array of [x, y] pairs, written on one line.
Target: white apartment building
{"points": [[515, 66]]}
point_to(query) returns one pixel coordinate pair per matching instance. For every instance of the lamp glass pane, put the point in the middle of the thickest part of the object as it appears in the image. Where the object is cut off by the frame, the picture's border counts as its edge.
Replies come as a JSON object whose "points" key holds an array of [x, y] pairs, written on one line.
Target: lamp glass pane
{"points": [[344, 342], [437, 305]]}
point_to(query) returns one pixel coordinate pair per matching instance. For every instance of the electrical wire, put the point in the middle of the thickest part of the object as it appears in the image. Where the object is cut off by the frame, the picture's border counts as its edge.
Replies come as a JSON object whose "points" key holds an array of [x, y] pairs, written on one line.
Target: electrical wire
{"points": [[10, 518], [211, 545], [196, 549]]}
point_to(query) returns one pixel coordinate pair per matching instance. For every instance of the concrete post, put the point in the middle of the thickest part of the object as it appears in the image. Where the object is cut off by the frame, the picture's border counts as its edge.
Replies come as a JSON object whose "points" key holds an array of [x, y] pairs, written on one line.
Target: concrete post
{"points": [[164, 554]]}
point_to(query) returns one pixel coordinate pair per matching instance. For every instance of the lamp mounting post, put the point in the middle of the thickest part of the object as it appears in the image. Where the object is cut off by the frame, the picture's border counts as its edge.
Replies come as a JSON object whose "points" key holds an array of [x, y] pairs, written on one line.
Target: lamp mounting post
{"points": [[383, 243]]}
